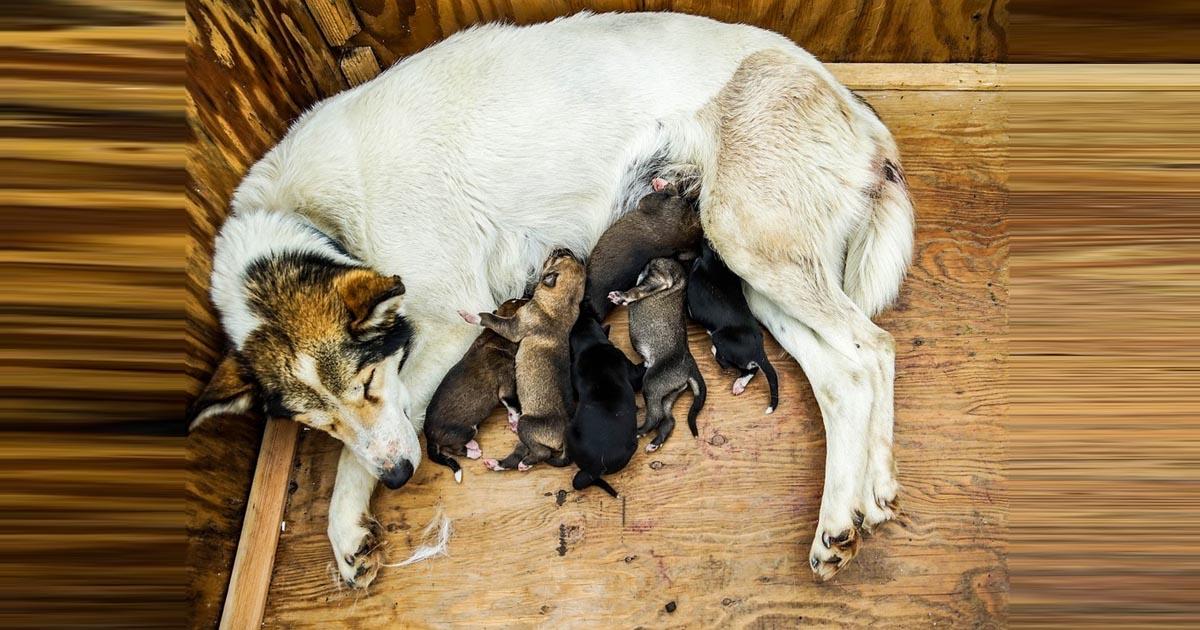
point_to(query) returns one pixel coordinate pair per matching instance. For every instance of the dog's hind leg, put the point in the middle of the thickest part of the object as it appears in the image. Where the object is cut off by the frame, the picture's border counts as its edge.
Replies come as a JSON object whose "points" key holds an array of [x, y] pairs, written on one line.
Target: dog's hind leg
{"points": [[842, 362], [666, 423]]}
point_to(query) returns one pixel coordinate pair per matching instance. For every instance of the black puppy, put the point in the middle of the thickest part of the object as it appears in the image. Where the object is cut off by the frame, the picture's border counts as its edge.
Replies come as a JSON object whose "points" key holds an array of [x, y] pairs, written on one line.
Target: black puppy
{"points": [[602, 436], [716, 302]]}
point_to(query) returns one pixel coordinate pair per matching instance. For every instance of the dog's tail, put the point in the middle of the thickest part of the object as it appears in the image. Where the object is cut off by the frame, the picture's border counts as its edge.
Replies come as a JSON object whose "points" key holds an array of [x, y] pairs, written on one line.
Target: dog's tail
{"points": [[772, 380], [584, 479], [699, 394], [437, 457], [879, 252]]}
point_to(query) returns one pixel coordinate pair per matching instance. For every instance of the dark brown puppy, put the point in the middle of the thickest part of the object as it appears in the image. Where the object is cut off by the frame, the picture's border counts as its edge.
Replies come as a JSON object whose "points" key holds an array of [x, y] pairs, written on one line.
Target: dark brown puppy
{"points": [[542, 328], [468, 393], [658, 331], [665, 223]]}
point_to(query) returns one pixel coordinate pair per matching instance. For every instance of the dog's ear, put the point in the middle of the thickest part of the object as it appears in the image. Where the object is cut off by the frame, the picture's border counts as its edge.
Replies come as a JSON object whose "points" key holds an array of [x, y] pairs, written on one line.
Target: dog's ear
{"points": [[230, 391], [373, 300], [550, 279]]}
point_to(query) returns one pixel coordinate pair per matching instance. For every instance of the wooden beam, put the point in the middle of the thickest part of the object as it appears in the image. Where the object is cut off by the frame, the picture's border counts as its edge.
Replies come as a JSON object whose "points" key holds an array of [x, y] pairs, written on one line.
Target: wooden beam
{"points": [[246, 598]]}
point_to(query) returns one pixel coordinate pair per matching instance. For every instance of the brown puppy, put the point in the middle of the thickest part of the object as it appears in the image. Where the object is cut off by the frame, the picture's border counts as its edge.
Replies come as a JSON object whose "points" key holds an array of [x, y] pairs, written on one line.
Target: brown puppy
{"points": [[542, 328], [665, 223], [468, 394]]}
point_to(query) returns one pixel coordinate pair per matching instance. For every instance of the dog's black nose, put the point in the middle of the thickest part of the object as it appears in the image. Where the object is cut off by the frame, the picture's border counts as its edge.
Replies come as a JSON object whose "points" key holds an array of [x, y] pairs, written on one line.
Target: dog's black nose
{"points": [[398, 475]]}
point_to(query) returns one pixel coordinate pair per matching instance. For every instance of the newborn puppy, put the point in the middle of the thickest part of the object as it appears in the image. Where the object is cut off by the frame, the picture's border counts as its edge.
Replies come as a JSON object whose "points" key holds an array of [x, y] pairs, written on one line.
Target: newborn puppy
{"points": [[603, 433], [716, 302], [468, 394], [542, 329], [665, 223], [659, 333]]}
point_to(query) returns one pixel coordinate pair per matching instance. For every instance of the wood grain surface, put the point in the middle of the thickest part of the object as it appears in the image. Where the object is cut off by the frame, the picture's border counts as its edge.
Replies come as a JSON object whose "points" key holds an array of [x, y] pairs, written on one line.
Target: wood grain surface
{"points": [[720, 525]]}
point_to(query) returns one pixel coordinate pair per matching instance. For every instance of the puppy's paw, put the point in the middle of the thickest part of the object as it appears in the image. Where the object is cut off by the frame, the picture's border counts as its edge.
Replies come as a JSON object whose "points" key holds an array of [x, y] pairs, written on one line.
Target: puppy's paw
{"points": [[473, 450], [358, 552], [651, 447], [492, 464], [616, 297], [514, 421], [522, 466], [470, 318]]}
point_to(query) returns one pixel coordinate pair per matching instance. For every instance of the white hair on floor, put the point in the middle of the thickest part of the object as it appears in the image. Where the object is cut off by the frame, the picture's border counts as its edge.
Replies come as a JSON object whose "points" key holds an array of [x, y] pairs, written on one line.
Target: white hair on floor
{"points": [[436, 537]]}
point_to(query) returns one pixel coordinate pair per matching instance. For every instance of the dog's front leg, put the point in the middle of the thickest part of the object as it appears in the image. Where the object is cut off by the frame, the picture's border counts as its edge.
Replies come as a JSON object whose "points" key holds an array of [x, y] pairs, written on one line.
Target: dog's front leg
{"points": [[354, 534]]}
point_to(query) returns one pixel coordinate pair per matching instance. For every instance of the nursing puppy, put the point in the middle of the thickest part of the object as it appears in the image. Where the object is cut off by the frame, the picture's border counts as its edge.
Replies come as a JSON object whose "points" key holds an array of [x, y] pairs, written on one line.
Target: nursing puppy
{"points": [[665, 223], [542, 329], [659, 333], [468, 394], [603, 433], [716, 302]]}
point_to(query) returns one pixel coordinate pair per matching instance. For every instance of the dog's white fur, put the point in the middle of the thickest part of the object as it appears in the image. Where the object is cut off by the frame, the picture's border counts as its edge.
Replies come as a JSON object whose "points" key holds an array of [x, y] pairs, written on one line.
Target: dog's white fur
{"points": [[462, 167]]}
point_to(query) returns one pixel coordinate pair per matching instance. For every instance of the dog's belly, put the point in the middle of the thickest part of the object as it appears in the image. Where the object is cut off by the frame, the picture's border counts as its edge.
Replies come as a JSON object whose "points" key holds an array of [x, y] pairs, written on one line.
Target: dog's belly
{"points": [[460, 168]]}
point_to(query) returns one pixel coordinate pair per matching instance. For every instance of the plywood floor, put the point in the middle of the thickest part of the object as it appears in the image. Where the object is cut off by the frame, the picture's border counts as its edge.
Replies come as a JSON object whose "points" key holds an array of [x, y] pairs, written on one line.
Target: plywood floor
{"points": [[721, 525]]}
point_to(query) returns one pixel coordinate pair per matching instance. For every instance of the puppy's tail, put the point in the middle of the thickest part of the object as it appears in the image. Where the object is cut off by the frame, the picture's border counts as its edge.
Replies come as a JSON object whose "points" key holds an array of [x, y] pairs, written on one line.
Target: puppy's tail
{"points": [[584, 479], [879, 251], [699, 394], [772, 381], [437, 457]]}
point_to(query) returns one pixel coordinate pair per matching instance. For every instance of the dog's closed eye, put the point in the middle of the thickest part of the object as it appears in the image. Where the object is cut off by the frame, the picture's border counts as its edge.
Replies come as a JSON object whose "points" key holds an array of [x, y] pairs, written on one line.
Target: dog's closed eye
{"points": [[550, 279]]}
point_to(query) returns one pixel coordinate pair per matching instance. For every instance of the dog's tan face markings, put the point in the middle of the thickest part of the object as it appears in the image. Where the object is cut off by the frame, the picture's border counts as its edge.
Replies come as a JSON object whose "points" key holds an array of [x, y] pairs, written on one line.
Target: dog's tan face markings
{"points": [[328, 352]]}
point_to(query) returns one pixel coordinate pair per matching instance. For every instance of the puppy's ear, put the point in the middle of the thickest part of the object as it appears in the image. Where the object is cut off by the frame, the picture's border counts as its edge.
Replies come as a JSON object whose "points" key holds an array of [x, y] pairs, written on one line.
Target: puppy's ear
{"points": [[373, 300], [550, 279], [230, 391]]}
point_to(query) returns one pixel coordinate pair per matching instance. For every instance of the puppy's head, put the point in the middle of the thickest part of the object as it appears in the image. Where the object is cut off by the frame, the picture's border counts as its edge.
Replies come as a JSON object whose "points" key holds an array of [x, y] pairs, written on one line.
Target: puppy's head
{"points": [[562, 278], [665, 273], [325, 349]]}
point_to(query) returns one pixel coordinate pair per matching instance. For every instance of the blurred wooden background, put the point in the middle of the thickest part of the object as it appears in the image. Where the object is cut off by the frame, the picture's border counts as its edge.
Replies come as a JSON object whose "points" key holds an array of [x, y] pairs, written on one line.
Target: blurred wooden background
{"points": [[93, 141]]}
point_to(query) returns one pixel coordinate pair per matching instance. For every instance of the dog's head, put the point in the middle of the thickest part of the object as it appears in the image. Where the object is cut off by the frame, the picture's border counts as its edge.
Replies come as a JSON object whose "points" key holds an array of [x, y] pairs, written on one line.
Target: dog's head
{"points": [[320, 340]]}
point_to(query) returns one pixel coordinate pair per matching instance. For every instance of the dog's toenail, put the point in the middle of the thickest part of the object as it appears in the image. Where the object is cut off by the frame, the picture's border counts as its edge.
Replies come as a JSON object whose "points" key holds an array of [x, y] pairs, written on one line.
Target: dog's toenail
{"points": [[813, 561], [361, 570], [825, 539]]}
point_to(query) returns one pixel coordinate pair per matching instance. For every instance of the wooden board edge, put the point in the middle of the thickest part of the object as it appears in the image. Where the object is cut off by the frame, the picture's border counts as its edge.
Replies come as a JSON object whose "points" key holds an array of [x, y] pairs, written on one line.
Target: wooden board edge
{"points": [[250, 580]]}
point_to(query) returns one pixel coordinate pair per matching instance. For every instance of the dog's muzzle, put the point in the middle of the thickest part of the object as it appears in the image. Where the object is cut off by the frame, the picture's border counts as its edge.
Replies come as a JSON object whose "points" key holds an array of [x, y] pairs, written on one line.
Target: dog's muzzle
{"points": [[397, 475]]}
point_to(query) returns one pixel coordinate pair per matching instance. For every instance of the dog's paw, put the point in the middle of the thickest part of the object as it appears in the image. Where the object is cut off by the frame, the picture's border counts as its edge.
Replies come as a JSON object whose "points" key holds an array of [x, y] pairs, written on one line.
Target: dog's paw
{"points": [[832, 550], [522, 466], [651, 447], [880, 503], [358, 552], [470, 318], [473, 450], [514, 421], [492, 464], [616, 297]]}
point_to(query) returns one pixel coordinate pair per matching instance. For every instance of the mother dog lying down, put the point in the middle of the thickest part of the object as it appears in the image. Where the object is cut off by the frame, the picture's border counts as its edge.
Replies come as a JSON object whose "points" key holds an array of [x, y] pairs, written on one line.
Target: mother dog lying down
{"points": [[444, 182]]}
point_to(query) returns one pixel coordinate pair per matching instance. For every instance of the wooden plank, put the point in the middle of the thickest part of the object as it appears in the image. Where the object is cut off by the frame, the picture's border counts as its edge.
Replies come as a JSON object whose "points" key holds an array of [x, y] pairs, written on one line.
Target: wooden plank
{"points": [[847, 30], [359, 66], [721, 525], [336, 19], [1065, 78], [251, 575], [833, 30]]}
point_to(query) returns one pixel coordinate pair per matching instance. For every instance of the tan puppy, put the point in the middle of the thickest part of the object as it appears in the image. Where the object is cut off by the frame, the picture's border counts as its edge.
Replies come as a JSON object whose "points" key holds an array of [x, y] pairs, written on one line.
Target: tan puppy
{"points": [[542, 328]]}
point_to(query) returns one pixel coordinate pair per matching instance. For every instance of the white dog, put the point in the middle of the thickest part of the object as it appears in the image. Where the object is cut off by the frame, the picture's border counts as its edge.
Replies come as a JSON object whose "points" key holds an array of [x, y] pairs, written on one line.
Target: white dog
{"points": [[444, 183]]}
